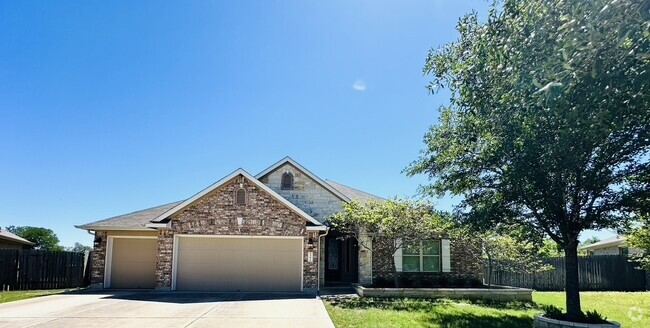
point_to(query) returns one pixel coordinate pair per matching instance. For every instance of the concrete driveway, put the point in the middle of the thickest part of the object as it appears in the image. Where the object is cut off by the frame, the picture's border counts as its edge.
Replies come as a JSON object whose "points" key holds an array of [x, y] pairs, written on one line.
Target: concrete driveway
{"points": [[151, 309]]}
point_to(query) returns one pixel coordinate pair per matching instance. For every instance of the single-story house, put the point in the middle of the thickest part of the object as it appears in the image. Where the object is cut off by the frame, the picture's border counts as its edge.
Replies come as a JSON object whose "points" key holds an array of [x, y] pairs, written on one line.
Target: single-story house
{"points": [[616, 245], [263, 232], [9, 240]]}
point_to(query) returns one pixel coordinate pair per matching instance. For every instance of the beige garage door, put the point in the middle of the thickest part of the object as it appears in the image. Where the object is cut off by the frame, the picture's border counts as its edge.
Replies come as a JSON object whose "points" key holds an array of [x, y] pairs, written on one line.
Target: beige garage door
{"points": [[133, 263], [239, 264]]}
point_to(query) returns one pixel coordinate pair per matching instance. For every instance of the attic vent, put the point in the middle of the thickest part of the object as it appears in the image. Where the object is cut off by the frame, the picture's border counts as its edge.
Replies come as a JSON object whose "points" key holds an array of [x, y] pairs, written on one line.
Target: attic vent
{"points": [[287, 181], [240, 197]]}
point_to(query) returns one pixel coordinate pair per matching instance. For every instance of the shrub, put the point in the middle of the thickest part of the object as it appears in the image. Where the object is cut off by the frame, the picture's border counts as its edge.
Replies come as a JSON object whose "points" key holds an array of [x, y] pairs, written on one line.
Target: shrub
{"points": [[592, 317]]}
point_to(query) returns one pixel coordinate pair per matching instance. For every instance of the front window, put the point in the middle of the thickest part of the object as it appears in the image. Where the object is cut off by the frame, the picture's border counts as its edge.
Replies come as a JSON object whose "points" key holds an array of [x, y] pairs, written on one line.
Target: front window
{"points": [[423, 256], [624, 251]]}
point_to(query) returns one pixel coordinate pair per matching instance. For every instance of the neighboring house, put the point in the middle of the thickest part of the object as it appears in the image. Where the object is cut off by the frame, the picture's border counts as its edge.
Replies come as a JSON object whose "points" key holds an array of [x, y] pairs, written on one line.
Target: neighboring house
{"points": [[611, 246], [9, 240], [252, 233]]}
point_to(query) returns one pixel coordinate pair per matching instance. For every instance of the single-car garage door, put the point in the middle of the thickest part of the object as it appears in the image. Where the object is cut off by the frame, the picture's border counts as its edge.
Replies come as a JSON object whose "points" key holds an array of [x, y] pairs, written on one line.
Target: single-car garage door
{"points": [[133, 263], [239, 264]]}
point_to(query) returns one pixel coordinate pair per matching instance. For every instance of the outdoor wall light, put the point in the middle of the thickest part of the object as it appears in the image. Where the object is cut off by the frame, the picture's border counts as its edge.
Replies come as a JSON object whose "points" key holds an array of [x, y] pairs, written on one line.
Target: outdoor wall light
{"points": [[240, 221], [97, 241], [310, 242]]}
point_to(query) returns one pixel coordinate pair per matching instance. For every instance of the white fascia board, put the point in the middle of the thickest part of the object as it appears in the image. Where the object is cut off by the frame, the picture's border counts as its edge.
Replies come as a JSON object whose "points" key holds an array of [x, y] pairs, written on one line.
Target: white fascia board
{"points": [[317, 228], [307, 172], [223, 181], [167, 225]]}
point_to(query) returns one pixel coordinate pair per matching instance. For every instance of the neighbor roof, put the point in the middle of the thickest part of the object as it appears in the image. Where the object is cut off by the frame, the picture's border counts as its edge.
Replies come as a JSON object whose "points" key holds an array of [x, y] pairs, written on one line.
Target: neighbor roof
{"points": [[163, 216], [305, 171], [6, 235], [354, 194], [609, 242], [133, 221]]}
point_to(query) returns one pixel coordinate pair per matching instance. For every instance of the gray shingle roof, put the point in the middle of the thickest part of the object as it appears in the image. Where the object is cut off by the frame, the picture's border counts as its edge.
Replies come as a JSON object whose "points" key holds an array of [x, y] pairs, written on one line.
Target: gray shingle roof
{"points": [[134, 220], [139, 219], [6, 235], [354, 194]]}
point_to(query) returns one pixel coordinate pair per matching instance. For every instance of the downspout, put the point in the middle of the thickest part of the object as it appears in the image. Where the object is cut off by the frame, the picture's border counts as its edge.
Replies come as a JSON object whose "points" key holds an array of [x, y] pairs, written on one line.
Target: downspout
{"points": [[327, 230]]}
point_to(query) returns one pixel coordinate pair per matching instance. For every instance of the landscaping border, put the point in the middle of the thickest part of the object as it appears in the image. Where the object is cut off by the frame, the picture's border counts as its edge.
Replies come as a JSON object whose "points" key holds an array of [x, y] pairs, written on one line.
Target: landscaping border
{"points": [[494, 293], [544, 322]]}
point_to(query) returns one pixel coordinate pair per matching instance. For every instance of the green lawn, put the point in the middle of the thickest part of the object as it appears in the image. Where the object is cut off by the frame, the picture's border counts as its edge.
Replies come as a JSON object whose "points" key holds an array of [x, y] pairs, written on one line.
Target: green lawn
{"points": [[21, 295], [364, 312]]}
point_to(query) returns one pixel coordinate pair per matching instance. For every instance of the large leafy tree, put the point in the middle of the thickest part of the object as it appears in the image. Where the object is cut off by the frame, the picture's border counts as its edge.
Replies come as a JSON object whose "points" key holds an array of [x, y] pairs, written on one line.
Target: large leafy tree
{"points": [[548, 122], [43, 238]]}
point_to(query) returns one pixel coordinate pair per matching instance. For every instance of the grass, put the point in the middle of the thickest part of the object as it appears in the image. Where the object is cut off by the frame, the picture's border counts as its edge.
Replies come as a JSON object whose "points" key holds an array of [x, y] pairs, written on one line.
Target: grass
{"points": [[368, 312], [613, 305], [21, 295]]}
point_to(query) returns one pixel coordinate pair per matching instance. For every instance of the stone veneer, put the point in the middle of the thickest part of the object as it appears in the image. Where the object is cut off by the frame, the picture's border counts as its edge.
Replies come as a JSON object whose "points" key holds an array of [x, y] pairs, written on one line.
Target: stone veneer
{"points": [[495, 293], [216, 214], [307, 194], [98, 259], [463, 262]]}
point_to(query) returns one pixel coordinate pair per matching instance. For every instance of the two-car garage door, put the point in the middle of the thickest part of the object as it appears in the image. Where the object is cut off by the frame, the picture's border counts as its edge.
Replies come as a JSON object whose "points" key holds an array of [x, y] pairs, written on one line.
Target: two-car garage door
{"points": [[221, 263]]}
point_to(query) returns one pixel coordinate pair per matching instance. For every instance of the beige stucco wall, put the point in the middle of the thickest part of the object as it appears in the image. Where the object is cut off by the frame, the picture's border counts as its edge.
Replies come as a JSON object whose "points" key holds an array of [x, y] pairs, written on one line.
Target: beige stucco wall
{"points": [[5, 244]]}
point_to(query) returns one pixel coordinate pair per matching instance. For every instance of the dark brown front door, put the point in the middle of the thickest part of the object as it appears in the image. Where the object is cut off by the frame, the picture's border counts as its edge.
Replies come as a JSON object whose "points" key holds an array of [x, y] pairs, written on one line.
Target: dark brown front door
{"points": [[341, 259]]}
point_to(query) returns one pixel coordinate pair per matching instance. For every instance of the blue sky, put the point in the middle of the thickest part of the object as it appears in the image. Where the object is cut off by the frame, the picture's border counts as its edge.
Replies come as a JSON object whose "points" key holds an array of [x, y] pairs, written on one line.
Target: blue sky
{"points": [[114, 106]]}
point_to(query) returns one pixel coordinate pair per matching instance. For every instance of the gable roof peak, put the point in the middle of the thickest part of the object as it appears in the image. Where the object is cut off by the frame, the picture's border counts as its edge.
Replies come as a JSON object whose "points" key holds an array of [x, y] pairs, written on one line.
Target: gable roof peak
{"points": [[304, 170], [162, 217]]}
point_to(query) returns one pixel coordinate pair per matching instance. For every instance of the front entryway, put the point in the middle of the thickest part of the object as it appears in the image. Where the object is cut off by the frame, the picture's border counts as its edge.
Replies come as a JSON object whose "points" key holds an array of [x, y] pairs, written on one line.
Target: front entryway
{"points": [[341, 259]]}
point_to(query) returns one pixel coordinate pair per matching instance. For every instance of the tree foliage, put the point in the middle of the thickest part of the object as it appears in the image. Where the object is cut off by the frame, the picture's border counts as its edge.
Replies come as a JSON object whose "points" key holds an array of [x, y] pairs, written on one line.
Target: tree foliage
{"points": [[391, 223], [640, 238], [78, 247], [43, 239], [504, 250], [548, 125]]}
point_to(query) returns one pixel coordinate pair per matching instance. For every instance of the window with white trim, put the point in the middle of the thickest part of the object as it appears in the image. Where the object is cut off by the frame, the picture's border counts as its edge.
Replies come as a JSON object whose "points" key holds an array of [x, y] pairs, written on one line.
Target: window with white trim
{"points": [[422, 256]]}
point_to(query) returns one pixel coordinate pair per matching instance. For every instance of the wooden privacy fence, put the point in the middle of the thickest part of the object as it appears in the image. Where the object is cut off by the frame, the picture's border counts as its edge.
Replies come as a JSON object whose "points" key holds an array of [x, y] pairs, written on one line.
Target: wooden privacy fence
{"points": [[597, 273], [31, 269]]}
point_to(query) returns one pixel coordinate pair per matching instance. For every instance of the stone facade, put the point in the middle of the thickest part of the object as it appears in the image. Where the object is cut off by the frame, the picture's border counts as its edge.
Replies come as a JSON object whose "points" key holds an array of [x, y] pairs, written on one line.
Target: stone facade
{"points": [[462, 258], [496, 293], [98, 259], [217, 213], [307, 194]]}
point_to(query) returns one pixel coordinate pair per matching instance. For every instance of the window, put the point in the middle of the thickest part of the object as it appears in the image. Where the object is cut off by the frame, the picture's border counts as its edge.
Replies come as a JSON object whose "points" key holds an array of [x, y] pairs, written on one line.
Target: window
{"points": [[624, 251], [240, 196], [423, 256], [287, 181]]}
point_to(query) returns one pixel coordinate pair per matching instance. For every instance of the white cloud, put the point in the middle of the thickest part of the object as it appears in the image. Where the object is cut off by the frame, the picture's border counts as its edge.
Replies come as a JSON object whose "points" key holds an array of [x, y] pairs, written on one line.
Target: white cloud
{"points": [[359, 86]]}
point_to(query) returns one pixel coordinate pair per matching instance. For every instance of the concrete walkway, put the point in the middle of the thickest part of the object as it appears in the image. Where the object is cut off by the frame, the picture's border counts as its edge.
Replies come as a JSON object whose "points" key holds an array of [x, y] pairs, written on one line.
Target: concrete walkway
{"points": [[151, 309]]}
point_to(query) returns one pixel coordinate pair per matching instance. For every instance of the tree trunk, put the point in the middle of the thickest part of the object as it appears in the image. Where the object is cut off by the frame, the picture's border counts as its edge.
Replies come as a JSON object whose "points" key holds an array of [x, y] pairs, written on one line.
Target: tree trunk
{"points": [[489, 272], [572, 282], [394, 267]]}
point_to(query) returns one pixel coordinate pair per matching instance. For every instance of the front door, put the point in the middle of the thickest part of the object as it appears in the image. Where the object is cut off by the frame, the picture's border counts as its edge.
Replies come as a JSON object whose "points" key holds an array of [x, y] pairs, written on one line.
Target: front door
{"points": [[341, 259]]}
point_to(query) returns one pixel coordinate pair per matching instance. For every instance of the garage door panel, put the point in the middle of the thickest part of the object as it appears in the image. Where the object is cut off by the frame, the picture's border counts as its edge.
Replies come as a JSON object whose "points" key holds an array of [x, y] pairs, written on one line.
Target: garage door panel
{"points": [[133, 263], [247, 264]]}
